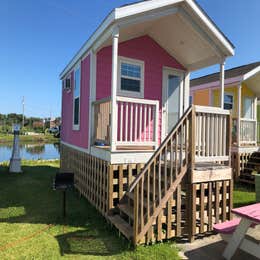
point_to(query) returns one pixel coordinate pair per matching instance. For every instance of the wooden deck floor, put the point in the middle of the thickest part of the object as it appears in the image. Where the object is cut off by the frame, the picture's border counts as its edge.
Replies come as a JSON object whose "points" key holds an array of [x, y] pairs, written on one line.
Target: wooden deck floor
{"points": [[128, 148]]}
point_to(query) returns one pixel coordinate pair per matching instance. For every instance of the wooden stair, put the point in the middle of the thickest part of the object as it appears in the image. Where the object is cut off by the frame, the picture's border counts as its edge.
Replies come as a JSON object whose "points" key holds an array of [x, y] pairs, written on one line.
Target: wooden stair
{"points": [[123, 227], [161, 202], [154, 186], [253, 164]]}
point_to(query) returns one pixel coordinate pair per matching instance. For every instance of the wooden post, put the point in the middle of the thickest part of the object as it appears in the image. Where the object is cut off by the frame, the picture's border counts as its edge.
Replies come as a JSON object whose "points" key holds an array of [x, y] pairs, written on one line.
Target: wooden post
{"points": [[113, 128], [136, 214], [255, 118], [222, 83], [192, 187], [238, 114], [186, 90]]}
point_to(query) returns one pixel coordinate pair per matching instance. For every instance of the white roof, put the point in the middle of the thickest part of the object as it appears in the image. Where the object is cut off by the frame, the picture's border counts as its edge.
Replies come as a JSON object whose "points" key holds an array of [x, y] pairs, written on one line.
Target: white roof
{"points": [[200, 42]]}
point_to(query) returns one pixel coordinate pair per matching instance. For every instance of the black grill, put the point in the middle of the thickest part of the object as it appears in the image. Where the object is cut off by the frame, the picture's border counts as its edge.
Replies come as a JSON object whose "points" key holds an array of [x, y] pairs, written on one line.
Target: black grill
{"points": [[63, 182]]}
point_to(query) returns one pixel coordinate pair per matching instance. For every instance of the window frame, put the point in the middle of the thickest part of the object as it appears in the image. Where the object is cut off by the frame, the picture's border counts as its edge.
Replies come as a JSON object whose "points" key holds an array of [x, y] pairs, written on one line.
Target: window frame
{"points": [[252, 107], [232, 95], [76, 127], [129, 93], [64, 82]]}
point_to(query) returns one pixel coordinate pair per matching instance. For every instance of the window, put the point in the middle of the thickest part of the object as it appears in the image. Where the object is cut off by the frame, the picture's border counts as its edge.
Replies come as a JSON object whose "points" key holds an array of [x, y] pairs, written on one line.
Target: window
{"points": [[190, 100], [228, 101], [76, 99], [131, 77], [248, 108], [67, 84]]}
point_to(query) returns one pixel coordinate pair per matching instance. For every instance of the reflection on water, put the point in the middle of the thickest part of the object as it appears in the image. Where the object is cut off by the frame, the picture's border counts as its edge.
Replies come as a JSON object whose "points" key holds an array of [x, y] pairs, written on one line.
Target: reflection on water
{"points": [[31, 151]]}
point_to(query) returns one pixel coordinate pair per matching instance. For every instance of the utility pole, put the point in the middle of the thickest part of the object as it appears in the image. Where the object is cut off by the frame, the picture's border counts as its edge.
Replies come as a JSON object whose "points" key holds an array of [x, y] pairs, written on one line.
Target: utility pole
{"points": [[23, 113]]}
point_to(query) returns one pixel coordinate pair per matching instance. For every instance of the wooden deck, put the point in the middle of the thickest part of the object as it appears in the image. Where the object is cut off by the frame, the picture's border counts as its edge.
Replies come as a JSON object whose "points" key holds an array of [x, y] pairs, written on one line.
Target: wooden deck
{"points": [[181, 191], [128, 147]]}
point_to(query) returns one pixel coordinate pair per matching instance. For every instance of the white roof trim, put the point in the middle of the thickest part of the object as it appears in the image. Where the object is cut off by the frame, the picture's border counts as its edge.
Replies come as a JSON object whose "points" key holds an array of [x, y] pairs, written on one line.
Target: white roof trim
{"points": [[211, 26], [139, 8], [251, 73]]}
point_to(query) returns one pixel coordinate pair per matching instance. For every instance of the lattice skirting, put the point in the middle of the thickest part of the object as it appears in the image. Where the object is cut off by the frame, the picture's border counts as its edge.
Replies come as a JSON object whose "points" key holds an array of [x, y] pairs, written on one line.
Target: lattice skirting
{"points": [[102, 183]]}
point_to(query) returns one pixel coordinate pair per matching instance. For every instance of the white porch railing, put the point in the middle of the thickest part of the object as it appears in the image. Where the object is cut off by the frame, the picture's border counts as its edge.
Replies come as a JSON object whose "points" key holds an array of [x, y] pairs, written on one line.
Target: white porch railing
{"points": [[212, 137], [248, 129], [137, 121]]}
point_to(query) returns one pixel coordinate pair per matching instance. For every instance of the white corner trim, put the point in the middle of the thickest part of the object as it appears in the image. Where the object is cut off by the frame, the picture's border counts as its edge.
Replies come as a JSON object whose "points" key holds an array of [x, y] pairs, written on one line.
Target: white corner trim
{"points": [[251, 73]]}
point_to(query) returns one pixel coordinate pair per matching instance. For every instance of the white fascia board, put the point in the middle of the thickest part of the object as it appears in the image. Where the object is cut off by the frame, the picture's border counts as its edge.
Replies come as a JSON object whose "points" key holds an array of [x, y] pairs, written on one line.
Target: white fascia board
{"points": [[86, 47], [147, 17], [251, 73], [142, 7], [211, 26]]}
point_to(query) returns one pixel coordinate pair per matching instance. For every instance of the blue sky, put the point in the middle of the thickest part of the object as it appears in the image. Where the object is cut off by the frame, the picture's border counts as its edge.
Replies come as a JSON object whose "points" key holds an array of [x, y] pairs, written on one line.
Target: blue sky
{"points": [[38, 38]]}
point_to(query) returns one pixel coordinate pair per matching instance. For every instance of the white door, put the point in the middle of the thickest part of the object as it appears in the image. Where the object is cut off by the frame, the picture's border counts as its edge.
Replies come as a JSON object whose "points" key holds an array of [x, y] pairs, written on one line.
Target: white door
{"points": [[172, 99]]}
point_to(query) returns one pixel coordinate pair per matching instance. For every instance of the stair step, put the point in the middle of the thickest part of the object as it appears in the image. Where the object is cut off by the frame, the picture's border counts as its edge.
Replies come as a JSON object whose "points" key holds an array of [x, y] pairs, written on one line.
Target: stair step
{"points": [[254, 163], [122, 226], [127, 210]]}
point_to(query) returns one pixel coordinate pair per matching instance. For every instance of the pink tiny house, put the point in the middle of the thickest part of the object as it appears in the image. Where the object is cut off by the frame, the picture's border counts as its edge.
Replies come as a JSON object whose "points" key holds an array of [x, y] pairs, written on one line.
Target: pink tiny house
{"points": [[128, 128]]}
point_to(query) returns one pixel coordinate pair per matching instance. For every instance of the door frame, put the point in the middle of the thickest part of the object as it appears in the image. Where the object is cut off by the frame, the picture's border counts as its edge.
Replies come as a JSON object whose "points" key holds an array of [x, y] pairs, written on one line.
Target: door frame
{"points": [[165, 72]]}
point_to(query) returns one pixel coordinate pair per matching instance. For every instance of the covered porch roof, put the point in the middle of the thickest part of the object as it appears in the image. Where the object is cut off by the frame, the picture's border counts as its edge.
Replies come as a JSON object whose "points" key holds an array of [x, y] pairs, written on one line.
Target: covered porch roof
{"points": [[249, 74], [181, 27], [252, 80]]}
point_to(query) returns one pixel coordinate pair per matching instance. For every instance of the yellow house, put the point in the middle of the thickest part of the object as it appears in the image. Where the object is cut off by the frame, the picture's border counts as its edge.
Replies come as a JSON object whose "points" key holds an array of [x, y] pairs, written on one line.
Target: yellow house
{"points": [[241, 92]]}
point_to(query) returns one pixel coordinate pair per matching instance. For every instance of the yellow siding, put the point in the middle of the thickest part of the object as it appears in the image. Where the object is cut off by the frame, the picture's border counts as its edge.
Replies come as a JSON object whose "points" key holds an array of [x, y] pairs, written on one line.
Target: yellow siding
{"points": [[202, 97], [232, 90]]}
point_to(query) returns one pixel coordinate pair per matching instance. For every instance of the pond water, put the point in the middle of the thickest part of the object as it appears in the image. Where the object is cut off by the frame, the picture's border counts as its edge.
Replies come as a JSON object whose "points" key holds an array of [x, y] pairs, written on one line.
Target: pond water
{"points": [[30, 151]]}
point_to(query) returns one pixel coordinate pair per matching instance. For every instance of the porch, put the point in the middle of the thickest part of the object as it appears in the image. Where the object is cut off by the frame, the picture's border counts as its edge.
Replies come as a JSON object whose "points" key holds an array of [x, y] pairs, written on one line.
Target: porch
{"points": [[248, 132], [155, 200]]}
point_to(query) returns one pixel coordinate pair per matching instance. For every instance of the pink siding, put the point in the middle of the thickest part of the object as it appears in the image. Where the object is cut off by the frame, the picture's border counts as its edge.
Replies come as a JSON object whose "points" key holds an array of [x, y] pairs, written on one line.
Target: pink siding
{"points": [[78, 138], [143, 48]]}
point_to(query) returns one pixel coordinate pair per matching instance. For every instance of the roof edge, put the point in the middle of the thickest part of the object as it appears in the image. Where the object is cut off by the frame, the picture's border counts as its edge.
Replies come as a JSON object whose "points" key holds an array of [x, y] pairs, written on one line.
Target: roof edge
{"points": [[147, 5]]}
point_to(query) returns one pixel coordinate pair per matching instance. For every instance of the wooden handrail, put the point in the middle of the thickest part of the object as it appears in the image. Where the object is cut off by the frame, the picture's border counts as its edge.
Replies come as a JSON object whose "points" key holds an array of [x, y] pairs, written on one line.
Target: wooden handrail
{"points": [[163, 173], [169, 164], [166, 140]]}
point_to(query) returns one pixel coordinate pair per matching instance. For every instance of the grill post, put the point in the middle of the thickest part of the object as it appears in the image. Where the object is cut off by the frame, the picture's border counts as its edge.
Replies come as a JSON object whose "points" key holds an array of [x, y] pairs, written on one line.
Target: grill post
{"points": [[64, 203]]}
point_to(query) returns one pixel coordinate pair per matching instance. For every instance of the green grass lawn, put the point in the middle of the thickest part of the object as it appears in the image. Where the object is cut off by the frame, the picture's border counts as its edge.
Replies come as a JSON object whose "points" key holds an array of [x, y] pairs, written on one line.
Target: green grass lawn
{"points": [[243, 195], [31, 226]]}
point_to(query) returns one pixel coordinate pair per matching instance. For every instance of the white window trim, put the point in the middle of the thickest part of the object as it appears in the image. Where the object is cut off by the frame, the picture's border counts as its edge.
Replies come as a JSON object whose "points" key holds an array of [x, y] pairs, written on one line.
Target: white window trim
{"points": [[64, 86], [126, 92], [77, 126], [252, 107], [229, 94]]}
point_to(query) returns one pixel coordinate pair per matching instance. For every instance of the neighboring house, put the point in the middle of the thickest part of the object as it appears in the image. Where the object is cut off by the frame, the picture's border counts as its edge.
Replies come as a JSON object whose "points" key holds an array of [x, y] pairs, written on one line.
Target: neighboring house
{"points": [[128, 132], [258, 122], [242, 89]]}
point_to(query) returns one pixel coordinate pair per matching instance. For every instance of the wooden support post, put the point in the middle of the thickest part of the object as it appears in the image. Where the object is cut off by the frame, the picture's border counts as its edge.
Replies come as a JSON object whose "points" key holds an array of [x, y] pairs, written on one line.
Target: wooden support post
{"points": [[113, 128], [186, 90], [239, 113], [255, 118], [136, 214], [192, 187], [222, 83]]}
